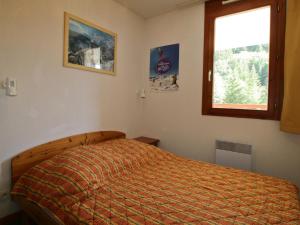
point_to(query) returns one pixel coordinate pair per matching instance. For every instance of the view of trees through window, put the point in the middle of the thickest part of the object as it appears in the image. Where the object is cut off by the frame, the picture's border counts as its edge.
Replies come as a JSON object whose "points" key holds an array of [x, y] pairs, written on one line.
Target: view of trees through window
{"points": [[241, 76], [241, 60]]}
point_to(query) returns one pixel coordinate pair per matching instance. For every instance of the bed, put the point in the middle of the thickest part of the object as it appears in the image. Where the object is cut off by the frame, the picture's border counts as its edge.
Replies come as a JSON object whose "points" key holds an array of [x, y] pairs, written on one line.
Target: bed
{"points": [[104, 178]]}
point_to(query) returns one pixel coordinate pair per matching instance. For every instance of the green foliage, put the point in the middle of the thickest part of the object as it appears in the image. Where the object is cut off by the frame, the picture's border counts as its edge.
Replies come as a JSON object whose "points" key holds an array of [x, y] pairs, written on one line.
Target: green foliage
{"points": [[235, 92], [241, 75]]}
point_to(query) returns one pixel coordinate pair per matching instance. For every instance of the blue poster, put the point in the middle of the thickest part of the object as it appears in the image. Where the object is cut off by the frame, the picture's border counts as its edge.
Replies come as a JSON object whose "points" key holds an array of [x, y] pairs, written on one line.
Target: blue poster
{"points": [[164, 68]]}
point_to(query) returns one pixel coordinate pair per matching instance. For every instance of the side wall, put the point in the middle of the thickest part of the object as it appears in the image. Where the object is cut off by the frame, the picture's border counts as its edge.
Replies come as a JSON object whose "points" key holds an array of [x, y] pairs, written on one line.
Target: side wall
{"points": [[175, 117], [54, 101]]}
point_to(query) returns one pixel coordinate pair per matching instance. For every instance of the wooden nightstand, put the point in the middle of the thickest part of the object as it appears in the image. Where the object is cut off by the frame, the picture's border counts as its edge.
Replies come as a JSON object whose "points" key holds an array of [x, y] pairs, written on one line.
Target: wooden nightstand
{"points": [[147, 140]]}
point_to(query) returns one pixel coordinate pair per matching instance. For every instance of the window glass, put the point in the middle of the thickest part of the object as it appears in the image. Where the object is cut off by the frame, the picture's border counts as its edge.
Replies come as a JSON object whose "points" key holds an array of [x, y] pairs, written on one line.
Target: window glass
{"points": [[241, 60]]}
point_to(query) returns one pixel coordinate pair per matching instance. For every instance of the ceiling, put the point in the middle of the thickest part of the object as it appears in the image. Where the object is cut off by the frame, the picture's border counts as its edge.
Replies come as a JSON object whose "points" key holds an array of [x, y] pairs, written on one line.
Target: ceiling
{"points": [[151, 8]]}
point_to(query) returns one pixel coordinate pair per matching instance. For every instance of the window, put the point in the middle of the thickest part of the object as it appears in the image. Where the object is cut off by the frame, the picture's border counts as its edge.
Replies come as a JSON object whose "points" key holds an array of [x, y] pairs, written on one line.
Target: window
{"points": [[243, 58]]}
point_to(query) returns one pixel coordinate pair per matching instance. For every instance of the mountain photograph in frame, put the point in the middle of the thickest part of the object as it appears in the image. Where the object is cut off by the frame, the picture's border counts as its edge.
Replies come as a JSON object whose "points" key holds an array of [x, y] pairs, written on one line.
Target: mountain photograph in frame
{"points": [[88, 46]]}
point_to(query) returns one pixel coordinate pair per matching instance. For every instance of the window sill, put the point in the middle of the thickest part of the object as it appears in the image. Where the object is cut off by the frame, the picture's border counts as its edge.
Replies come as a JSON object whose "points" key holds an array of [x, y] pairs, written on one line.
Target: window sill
{"points": [[242, 113]]}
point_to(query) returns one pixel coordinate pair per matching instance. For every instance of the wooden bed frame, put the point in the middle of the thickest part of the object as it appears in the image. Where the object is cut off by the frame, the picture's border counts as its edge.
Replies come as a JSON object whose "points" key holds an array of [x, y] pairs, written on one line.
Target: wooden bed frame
{"points": [[31, 157]]}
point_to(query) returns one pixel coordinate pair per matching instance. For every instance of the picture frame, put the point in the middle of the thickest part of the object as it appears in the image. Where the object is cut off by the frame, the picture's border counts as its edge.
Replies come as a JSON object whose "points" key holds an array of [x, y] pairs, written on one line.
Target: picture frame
{"points": [[88, 46]]}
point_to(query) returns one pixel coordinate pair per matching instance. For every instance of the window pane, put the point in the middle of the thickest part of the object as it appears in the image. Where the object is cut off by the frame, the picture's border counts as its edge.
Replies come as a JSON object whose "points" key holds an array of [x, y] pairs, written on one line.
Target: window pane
{"points": [[241, 60]]}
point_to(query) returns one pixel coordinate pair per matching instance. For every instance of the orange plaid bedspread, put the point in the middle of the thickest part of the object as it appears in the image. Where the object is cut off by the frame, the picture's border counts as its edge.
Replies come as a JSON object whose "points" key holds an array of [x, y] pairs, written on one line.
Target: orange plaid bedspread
{"points": [[127, 182]]}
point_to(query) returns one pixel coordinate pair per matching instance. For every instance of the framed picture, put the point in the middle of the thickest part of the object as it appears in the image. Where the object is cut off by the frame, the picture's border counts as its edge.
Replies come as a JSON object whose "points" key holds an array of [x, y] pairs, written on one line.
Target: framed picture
{"points": [[88, 46], [164, 68]]}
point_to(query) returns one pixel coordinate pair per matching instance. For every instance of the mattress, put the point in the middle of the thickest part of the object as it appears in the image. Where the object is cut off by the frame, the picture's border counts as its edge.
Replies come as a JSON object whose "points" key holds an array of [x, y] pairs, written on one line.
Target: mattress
{"points": [[127, 182]]}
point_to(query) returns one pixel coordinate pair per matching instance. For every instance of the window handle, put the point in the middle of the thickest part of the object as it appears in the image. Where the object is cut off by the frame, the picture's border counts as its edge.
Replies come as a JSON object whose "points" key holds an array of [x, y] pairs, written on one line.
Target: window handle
{"points": [[209, 76]]}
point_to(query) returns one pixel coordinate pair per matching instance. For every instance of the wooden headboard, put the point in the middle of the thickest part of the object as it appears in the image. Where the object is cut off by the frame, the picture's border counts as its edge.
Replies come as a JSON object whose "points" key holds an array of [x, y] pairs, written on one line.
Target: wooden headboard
{"points": [[31, 157]]}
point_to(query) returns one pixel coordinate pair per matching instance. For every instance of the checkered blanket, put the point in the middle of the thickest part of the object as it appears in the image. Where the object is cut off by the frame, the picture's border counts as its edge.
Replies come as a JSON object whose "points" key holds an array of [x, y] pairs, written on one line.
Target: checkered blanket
{"points": [[127, 182]]}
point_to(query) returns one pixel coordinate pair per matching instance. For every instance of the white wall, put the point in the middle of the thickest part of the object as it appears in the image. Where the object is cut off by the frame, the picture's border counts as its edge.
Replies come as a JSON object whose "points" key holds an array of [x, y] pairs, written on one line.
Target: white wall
{"points": [[54, 101], [175, 117]]}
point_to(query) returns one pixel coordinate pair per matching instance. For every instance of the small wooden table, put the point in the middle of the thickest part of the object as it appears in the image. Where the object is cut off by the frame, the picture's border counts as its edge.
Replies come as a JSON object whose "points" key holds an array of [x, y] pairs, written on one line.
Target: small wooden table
{"points": [[147, 140]]}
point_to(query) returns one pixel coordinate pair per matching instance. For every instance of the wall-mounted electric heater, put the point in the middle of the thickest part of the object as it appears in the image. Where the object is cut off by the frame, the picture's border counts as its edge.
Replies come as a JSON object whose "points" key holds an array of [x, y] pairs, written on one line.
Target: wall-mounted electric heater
{"points": [[234, 155]]}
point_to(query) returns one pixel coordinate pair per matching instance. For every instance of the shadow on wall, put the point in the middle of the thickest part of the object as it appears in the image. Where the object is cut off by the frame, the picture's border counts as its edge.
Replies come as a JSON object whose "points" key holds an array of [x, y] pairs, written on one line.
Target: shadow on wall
{"points": [[7, 206]]}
